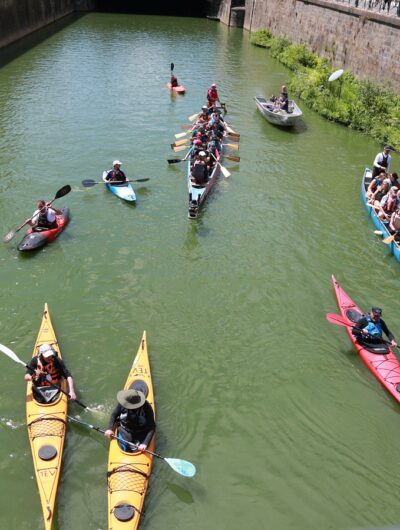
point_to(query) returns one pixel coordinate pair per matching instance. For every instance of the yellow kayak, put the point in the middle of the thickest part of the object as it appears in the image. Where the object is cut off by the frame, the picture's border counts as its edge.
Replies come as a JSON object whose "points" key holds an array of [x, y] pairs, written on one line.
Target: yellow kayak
{"points": [[128, 473], [46, 430]]}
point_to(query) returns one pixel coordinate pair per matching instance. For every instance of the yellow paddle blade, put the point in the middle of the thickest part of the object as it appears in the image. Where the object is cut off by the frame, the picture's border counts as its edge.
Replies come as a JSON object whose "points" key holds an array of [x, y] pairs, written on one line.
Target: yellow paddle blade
{"points": [[193, 116], [180, 148], [181, 142], [180, 135], [389, 239], [233, 146], [229, 129]]}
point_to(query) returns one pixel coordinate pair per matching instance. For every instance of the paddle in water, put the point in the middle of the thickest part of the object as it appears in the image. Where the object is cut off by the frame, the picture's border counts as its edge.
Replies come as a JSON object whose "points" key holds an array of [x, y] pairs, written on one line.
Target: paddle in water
{"points": [[13, 356], [183, 467], [60, 193], [89, 183]]}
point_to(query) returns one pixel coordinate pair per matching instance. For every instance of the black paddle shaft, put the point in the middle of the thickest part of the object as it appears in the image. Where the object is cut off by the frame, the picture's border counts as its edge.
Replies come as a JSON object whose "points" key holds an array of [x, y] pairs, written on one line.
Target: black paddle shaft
{"points": [[172, 67]]}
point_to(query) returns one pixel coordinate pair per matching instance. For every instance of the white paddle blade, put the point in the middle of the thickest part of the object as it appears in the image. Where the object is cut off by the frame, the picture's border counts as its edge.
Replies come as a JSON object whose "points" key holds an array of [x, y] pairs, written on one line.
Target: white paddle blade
{"points": [[183, 467], [180, 135], [11, 354], [229, 129], [224, 171], [193, 116]]}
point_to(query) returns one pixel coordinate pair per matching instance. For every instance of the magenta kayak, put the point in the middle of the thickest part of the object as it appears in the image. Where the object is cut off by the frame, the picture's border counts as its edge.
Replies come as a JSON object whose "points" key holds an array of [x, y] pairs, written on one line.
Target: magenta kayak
{"points": [[385, 366]]}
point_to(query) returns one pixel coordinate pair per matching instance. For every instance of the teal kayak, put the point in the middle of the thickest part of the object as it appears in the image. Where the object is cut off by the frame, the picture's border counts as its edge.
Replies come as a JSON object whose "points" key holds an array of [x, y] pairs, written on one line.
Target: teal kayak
{"points": [[123, 191]]}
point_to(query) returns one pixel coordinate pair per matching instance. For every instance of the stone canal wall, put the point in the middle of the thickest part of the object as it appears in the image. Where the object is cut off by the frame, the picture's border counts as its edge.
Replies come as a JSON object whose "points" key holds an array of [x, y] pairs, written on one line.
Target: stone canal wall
{"points": [[366, 43], [21, 17]]}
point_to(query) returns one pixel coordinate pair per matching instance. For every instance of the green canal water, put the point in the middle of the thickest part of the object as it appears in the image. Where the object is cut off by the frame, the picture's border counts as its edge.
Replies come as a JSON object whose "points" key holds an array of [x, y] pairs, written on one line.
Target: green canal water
{"points": [[287, 427]]}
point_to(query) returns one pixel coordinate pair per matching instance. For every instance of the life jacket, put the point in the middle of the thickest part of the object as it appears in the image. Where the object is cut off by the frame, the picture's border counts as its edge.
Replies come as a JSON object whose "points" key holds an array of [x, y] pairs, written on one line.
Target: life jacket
{"points": [[43, 221], [212, 94], [373, 328], [133, 420], [117, 175], [49, 367], [385, 160]]}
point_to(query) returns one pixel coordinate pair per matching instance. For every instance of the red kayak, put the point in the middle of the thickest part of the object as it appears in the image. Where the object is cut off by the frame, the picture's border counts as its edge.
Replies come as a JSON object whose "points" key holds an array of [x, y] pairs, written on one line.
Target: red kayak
{"points": [[36, 239], [379, 358], [180, 89]]}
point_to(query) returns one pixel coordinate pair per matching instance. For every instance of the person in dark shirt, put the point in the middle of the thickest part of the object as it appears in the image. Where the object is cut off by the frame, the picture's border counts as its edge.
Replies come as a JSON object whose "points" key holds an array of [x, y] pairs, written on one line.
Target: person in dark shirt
{"points": [[370, 328], [134, 419], [174, 81], [116, 174], [283, 100], [46, 371]]}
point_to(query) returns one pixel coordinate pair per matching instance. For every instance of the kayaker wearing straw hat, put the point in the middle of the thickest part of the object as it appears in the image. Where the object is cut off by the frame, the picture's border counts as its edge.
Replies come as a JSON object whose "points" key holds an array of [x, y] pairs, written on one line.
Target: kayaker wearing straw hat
{"points": [[134, 419], [370, 327]]}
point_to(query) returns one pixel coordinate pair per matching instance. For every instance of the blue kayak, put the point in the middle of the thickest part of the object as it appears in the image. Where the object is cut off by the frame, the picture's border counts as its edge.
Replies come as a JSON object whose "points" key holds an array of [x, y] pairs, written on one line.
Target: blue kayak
{"points": [[123, 191]]}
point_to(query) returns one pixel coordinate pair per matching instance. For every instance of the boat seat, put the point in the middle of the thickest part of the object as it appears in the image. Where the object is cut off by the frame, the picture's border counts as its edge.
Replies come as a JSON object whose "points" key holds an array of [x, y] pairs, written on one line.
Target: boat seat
{"points": [[140, 386], [353, 315]]}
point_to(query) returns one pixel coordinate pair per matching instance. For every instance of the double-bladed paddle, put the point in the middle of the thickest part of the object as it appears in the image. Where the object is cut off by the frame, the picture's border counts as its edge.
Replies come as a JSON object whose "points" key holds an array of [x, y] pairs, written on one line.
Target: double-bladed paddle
{"points": [[89, 183], [13, 356], [183, 467], [60, 193]]}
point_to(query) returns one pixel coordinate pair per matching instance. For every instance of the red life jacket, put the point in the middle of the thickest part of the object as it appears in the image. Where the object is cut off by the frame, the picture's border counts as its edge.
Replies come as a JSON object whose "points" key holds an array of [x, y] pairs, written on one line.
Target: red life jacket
{"points": [[49, 367]]}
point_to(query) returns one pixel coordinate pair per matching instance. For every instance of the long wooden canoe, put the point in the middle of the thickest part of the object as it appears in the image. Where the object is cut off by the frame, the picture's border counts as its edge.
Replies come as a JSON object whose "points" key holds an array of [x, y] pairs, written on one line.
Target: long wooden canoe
{"points": [[382, 227], [47, 427], [128, 473]]}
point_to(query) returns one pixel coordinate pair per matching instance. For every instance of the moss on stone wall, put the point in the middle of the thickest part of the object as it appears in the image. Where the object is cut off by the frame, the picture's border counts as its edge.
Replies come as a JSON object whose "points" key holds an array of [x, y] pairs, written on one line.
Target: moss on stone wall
{"points": [[361, 105]]}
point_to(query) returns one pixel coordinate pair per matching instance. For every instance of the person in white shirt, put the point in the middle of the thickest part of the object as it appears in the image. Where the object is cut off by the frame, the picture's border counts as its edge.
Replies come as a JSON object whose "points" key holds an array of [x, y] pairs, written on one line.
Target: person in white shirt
{"points": [[382, 161], [44, 216]]}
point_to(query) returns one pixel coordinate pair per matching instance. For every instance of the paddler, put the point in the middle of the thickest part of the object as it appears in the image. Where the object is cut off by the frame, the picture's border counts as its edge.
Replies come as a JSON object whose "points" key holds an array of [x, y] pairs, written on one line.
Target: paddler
{"points": [[370, 328], [394, 224], [46, 371], [174, 81], [116, 174], [44, 216], [382, 161], [212, 95], [134, 419]]}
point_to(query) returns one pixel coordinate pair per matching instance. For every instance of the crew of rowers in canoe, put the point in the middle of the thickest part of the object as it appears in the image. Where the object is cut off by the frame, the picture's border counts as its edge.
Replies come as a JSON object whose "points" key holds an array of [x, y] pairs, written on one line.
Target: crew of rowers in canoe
{"points": [[383, 192], [206, 142]]}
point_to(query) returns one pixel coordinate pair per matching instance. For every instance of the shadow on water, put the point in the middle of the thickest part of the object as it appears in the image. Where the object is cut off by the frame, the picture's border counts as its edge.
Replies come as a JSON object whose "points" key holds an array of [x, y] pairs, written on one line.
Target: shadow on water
{"points": [[21, 46], [143, 191], [181, 493]]}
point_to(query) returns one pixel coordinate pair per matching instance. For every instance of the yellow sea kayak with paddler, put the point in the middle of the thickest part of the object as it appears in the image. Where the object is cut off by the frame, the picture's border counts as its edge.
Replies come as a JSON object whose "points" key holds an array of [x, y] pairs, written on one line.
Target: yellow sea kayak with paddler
{"points": [[128, 473], [47, 425]]}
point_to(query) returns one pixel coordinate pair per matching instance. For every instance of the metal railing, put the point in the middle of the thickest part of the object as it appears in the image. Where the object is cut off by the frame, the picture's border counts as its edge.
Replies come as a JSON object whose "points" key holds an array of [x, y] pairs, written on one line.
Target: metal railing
{"points": [[389, 7]]}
